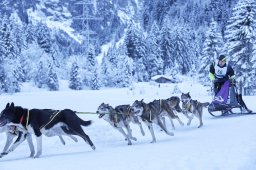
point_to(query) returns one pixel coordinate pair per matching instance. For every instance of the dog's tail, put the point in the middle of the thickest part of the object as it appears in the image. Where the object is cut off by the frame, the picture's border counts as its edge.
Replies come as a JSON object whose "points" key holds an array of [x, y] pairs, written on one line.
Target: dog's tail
{"points": [[85, 122], [205, 104]]}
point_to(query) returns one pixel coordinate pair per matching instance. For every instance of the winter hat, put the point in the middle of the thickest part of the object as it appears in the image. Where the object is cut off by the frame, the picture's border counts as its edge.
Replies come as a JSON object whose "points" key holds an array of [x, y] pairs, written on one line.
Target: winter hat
{"points": [[222, 57]]}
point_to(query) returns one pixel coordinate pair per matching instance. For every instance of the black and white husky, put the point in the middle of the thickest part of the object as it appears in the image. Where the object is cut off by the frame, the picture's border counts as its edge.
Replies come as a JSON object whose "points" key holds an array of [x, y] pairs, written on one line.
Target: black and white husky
{"points": [[43, 121]]}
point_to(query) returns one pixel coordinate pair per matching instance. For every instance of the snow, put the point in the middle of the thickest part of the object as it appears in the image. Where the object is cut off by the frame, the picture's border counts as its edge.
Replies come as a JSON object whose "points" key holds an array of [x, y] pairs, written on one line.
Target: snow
{"points": [[225, 143]]}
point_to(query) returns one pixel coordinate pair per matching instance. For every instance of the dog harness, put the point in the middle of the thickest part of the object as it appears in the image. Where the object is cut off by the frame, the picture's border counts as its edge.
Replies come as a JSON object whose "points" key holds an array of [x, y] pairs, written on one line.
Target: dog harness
{"points": [[22, 118], [51, 118], [13, 130], [189, 106]]}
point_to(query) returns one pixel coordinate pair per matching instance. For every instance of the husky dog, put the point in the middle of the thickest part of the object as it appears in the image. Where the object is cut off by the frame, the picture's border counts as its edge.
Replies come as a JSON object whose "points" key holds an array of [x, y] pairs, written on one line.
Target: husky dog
{"points": [[126, 110], [116, 119], [192, 106], [41, 121], [150, 113], [169, 107]]}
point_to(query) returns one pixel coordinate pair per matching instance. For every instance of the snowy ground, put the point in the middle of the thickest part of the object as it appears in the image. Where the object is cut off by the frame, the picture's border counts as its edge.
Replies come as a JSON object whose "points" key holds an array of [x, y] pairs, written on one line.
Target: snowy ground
{"points": [[227, 143]]}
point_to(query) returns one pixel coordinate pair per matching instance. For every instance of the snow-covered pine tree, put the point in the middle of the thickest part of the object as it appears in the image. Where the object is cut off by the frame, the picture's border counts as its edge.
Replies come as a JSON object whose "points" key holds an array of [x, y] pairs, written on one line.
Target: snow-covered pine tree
{"points": [[43, 37], [17, 33], [90, 69], [52, 81], [221, 11], [95, 80], [41, 75], [116, 68], [8, 41], [181, 50], [135, 42], [24, 68], [125, 68], [29, 33], [153, 59], [75, 82], [240, 36], [9, 55], [139, 72], [166, 46], [136, 49], [12, 84], [212, 48]]}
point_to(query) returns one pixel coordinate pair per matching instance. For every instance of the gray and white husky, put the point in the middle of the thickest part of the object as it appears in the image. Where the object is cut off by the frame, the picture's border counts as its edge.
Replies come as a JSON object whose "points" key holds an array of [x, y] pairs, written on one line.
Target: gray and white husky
{"points": [[117, 120], [169, 107], [129, 115], [194, 107], [150, 113]]}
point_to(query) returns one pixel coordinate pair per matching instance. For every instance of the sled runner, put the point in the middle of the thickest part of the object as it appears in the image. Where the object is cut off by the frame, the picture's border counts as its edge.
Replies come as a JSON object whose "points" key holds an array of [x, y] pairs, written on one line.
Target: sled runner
{"points": [[228, 102]]}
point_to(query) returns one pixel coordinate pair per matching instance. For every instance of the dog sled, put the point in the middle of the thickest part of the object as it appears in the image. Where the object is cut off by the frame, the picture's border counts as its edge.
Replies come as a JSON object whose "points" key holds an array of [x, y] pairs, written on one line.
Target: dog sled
{"points": [[228, 102]]}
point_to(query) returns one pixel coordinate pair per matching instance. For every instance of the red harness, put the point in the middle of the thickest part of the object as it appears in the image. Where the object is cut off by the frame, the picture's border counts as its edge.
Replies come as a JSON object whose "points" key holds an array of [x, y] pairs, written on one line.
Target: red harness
{"points": [[22, 118]]}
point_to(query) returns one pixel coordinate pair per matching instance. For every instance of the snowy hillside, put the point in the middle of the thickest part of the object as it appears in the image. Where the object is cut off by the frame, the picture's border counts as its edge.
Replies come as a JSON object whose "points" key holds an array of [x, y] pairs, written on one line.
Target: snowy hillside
{"points": [[227, 143]]}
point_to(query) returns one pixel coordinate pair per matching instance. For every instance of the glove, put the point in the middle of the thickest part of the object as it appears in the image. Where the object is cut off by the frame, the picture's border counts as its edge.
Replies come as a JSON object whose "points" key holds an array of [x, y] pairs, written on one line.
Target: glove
{"points": [[233, 81]]}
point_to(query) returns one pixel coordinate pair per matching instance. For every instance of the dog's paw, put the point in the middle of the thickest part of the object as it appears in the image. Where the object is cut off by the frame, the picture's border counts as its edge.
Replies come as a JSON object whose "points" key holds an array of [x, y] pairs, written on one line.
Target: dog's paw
{"points": [[153, 141], [171, 133], [93, 147], [38, 154], [32, 154], [2, 154], [199, 126]]}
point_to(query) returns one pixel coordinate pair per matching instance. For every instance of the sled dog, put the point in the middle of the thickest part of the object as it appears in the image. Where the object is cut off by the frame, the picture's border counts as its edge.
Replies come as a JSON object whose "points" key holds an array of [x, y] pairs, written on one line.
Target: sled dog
{"points": [[150, 113], [169, 107], [116, 119], [42, 121], [126, 110], [192, 106]]}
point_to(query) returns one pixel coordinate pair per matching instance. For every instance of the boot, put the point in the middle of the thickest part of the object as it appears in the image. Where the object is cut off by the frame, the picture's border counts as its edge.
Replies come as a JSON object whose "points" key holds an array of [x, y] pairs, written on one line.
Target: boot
{"points": [[248, 110]]}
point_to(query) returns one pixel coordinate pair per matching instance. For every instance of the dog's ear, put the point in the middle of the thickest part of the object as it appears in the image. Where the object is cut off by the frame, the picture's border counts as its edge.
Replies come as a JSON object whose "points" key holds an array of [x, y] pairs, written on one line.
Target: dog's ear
{"points": [[12, 104], [7, 105]]}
